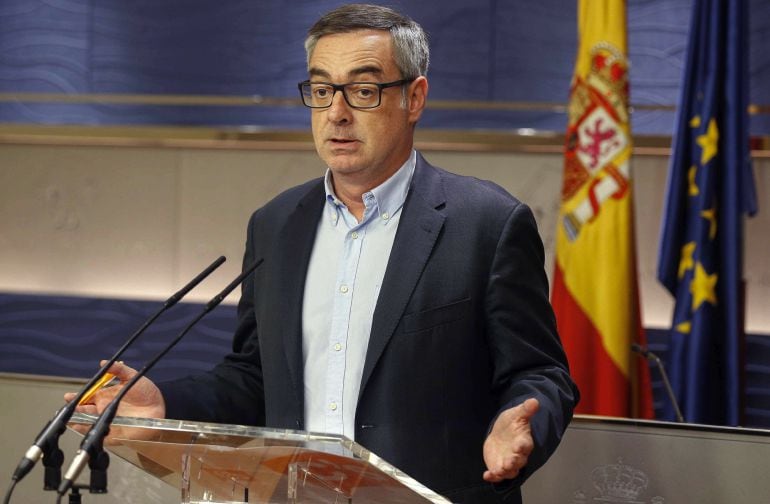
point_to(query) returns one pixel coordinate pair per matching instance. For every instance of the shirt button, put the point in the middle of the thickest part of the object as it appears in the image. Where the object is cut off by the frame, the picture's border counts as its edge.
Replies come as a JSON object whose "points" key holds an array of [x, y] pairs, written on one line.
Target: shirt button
{"points": [[333, 406], [354, 235], [386, 216], [337, 347], [344, 289]]}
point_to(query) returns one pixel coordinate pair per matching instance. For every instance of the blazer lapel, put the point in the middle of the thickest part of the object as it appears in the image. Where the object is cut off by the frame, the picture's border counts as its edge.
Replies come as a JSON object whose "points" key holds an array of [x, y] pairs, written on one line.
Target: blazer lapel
{"points": [[296, 244], [419, 227]]}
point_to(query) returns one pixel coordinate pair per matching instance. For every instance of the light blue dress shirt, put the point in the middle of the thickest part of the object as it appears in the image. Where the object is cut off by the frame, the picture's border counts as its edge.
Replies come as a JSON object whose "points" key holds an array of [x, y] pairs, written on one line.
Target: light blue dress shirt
{"points": [[343, 281]]}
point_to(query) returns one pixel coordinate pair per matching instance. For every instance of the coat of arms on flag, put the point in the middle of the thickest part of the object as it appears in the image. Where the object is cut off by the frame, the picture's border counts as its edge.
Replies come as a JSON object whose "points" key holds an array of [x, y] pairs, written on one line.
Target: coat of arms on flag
{"points": [[597, 137]]}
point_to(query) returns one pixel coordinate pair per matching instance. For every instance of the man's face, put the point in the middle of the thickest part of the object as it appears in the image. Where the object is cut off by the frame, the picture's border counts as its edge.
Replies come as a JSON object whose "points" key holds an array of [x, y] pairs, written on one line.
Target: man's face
{"points": [[363, 146]]}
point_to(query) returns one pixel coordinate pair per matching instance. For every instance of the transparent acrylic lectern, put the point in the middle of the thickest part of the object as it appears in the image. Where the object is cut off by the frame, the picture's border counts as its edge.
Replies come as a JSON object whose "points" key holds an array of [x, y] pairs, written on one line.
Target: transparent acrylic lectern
{"points": [[217, 463]]}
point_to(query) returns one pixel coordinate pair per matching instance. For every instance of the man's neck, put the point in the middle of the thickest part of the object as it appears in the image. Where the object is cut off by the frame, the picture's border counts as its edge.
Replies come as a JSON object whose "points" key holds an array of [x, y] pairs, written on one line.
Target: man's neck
{"points": [[352, 195], [350, 190]]}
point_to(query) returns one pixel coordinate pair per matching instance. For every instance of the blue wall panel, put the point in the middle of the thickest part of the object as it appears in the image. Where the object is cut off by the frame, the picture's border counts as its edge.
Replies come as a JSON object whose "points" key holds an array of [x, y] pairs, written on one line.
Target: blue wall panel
{"points": [[67, 336], [489, 50], [44, 46], [188, 47]]}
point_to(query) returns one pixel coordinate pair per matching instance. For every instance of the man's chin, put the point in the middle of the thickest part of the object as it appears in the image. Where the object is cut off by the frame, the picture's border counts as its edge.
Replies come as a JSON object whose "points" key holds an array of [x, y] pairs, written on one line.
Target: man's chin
{"points": [[343, 163]]}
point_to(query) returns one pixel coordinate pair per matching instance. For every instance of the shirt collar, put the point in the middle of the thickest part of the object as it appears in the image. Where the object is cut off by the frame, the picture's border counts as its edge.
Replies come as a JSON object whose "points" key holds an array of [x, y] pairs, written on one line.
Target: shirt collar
{"points": [[387, 198]]}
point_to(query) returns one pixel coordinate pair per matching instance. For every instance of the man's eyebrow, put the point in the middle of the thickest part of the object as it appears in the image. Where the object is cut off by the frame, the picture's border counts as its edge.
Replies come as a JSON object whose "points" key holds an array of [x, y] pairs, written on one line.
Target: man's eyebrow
{"points": [[317, 72], [368, 69]]}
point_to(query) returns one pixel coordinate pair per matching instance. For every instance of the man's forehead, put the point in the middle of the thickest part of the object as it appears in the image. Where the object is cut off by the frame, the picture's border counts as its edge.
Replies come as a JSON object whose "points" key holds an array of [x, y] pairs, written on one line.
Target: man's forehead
{"points": [[352, 53]]}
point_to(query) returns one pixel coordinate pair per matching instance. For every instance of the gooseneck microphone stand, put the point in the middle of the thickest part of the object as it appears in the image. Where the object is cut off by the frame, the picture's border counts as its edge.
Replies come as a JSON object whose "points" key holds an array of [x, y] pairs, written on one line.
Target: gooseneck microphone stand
{"points": [[46, 445], [666, 383], [91, 448]]}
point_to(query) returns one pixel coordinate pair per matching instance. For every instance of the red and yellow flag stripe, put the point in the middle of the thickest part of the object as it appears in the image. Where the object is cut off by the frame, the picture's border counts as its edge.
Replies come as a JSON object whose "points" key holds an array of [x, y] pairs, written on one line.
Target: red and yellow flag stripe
{"points": [[595, 293]]}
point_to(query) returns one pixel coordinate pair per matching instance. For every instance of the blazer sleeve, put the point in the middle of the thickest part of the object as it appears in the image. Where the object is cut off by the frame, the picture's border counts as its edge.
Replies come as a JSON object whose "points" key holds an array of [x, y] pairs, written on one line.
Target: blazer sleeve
{"points": [[528, 357], [233, 391]]}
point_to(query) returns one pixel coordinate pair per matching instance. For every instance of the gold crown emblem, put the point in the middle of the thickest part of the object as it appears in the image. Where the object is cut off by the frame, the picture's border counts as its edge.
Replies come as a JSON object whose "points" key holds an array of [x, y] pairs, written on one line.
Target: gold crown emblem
{"points": [[609, 64], [619, 483], [609, 77]]}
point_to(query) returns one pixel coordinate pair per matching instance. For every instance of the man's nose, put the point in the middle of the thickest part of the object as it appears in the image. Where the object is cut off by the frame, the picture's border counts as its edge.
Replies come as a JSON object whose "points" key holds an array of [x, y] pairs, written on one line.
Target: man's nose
{"points": [[339, 110]]}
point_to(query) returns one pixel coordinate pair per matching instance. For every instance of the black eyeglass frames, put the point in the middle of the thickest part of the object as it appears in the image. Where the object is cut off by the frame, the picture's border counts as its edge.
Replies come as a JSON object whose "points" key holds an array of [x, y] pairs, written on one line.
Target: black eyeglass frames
{"points": [[359, 95]]}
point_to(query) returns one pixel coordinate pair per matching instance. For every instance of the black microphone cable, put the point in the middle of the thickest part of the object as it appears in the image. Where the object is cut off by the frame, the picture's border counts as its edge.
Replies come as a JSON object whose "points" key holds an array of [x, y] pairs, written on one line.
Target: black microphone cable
{"points": [[46, 443], [91, 446]]}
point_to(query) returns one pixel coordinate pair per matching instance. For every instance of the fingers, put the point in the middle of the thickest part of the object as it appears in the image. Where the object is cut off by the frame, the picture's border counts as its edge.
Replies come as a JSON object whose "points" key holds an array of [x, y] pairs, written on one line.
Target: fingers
{"points": [[88, 409], [509, 444], [491, 477], [121, 370], [104, 394], [143, 400], [498, 476], [507, 467]]}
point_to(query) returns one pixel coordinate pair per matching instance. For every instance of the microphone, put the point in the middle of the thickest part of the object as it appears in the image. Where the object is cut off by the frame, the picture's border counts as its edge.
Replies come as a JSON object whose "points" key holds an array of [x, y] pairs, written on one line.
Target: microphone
{"points": [[46, 443], [645, 352], [91, 446]]}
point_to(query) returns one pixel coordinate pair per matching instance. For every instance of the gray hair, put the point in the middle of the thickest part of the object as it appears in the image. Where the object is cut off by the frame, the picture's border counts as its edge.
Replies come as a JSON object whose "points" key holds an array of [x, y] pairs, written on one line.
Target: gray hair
{"points": [[410, 43]]}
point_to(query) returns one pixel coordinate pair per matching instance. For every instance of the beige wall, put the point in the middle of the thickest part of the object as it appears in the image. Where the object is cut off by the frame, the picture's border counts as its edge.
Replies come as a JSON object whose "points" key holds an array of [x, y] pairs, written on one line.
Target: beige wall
{"points": [[139, 222]]}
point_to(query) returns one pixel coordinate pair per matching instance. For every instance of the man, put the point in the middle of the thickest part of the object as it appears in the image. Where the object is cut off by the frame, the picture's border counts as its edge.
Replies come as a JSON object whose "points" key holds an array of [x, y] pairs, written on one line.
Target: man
{"points": [[397, 304]]}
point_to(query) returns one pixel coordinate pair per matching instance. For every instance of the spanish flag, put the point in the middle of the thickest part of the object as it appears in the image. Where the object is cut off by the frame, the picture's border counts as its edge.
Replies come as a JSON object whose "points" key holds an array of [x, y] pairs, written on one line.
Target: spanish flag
{"points": [[595, 293]]}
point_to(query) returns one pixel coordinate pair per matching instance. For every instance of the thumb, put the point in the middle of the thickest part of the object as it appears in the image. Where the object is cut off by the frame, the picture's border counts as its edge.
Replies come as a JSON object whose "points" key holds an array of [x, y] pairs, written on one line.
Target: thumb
{"points": [[121, 370], [527, 409]]}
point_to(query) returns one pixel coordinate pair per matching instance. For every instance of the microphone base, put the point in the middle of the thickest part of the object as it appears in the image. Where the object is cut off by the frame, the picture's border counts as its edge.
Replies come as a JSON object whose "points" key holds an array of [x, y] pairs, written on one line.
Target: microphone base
{"points": [[52, 462], [98, 465]]}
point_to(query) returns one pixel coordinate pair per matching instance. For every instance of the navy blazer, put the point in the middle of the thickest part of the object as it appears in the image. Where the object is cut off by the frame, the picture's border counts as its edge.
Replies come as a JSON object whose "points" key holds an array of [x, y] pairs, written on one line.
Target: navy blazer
{"points": [[462, 330]]}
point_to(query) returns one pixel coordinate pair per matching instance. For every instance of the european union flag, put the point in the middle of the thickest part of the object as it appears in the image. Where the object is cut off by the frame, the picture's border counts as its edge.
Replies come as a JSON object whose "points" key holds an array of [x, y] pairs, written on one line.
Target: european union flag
{"points": [[710, 186]]}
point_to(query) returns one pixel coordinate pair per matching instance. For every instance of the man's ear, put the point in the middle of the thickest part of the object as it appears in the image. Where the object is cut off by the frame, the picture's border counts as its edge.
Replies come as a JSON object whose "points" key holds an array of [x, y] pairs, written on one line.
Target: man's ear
{"points": [[417, 98]]}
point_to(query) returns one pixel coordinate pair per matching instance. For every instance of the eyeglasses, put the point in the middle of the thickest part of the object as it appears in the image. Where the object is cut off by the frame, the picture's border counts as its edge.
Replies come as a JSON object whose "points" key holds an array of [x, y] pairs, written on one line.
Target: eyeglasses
{"points": [[359, 95]]}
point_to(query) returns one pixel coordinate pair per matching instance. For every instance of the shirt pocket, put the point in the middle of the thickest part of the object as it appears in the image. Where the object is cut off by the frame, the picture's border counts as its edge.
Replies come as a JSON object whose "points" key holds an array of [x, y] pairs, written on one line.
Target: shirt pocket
{"points": [[434, 317]]}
